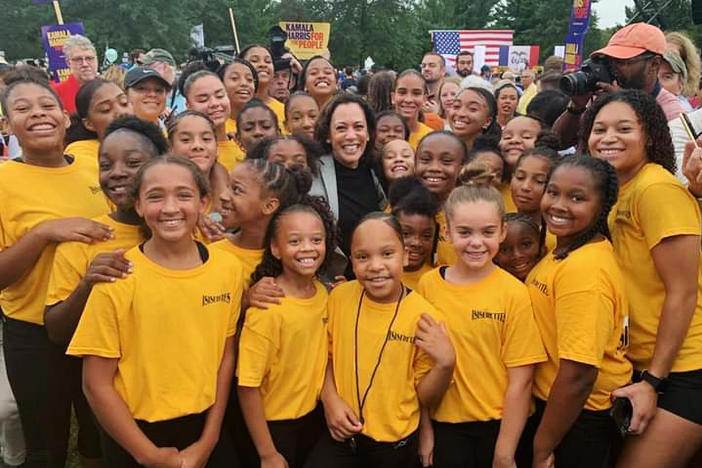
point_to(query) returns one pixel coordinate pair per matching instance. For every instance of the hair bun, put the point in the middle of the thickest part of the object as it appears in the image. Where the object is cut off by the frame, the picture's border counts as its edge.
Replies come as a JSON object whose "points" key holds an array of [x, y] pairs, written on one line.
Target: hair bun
{"points": [[547, 139], [476, 173], [303, 179]]}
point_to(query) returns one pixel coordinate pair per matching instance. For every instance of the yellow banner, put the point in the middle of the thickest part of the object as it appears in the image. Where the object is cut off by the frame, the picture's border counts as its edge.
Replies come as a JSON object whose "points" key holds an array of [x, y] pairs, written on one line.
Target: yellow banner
{"points": [[305, 39]]}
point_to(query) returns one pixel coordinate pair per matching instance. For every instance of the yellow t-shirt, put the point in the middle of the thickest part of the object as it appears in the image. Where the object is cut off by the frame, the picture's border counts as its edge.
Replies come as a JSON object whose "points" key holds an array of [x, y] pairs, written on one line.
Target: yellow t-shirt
{"points": [[279, 109], [30, 195], [229, 154], [411, 278], [492, 327], [249, 258], [445, 255], [550, 241], [582, 314], [391, 410], [230, 126], [284, 351], [421, 132], [507, 199], [73, 259], [88, 149], [652, 206], [167, 328]]}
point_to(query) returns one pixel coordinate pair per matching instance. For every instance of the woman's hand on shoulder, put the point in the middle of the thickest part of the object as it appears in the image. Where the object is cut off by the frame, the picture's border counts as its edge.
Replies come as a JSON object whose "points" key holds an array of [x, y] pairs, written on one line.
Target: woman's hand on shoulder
{"points": [[265, 291], [107, 267], [210, 227]]}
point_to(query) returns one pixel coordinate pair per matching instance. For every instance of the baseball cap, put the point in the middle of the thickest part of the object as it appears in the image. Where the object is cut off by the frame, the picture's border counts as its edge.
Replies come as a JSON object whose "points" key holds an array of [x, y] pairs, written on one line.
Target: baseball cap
{"points": [[158, 55], [138, 74], [676, 63], [634, 40]]}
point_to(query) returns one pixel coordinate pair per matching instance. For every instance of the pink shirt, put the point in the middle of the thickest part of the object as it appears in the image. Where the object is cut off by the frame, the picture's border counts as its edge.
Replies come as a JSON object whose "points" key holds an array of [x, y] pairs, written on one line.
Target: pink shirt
{"points": [[669, 103]]}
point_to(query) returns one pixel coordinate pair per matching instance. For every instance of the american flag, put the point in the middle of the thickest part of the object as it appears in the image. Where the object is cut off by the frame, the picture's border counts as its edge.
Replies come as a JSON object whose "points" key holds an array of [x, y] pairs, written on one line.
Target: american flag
{"points": [[449, 43]]}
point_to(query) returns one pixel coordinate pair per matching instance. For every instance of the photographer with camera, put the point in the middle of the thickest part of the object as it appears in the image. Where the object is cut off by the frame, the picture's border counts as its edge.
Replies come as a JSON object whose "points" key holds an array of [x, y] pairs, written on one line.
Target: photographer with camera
{"points": [[286, 67], [630, 60]]}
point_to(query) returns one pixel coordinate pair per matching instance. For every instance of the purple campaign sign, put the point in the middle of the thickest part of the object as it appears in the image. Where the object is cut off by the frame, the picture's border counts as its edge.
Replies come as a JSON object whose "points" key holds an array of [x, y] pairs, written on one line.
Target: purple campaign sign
{"points": [[53, 37]]}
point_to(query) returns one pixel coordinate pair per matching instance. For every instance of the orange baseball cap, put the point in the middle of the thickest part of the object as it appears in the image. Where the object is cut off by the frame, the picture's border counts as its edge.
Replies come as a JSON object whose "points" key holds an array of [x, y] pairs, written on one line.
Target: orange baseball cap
{"points": [[634, 40]]}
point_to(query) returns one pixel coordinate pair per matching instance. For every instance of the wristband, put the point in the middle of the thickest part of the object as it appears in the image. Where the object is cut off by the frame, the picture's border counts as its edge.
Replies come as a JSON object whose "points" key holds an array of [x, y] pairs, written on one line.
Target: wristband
{"points": [[658, 384]]}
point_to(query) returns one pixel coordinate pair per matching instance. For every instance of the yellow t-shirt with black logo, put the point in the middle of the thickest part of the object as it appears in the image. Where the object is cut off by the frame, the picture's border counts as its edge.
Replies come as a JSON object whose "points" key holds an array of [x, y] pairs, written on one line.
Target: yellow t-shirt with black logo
{"points": [[652, 206], [415, 137], [283, 351], [582, 314], [229, 154], [89, 150], [492, 328], [391, 411], [73, 259], [249, 258], [445, 255], [30, 195], [411, 278], [167, 329]]}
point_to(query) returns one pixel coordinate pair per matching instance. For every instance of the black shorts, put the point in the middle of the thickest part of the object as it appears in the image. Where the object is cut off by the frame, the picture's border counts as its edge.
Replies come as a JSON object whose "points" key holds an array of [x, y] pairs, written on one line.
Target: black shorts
{"points": [[683, 395]]}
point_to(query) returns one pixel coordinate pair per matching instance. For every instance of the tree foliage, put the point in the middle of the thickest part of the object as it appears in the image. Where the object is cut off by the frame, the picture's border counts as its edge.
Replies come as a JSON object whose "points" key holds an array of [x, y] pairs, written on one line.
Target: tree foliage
{"points": [[395, 33]]}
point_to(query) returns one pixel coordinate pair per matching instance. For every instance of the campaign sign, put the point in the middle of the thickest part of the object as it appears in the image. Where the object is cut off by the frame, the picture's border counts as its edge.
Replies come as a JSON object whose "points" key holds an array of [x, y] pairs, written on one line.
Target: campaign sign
{"points": [[305, 39], [53, 37]]}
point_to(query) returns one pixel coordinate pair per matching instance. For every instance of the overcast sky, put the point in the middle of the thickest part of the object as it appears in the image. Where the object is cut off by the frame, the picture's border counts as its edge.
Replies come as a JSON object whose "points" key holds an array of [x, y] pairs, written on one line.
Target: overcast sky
{"points": [[611, 12]]}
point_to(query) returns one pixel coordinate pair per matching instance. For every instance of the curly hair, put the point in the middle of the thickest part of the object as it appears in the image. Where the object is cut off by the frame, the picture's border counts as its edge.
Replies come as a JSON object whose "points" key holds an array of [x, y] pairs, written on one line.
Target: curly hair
{"points": [[322, 130], [659, 145], [148, 132], [380, 90], [607, 186], [25, 75], [317, 206], [313, 150]]}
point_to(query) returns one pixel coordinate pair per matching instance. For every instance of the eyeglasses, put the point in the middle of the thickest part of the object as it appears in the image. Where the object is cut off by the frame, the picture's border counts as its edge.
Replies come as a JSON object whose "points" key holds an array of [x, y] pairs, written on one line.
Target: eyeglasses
{"points": [[88, 59]]}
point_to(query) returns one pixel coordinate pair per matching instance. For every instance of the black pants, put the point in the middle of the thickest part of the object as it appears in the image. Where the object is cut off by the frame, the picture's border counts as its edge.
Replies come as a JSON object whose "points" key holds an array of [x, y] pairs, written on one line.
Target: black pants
{"points": [[367, 453], [37, 369], [465, 445], [88, 433], [589, 443], [294, 439], [179, 433]]}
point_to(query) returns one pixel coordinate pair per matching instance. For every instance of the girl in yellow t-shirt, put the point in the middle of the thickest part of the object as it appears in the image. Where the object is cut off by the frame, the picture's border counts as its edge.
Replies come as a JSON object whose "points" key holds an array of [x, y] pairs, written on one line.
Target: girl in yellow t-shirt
{"points": [[255, 122], [521, 249], [301, 112], [290, 151], [98, 103], [408, 96], [283, 350], [47, 197], [158, 405], [655, 229], [490, 321], [127, 144], [577, 292], [415, 210], [319, 80], [388, 355], [241, 82], [528, 183], [438, 159]]}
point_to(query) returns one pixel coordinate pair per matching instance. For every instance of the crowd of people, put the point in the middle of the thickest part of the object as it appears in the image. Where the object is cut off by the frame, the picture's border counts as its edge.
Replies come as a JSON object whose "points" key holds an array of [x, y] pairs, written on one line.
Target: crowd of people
{"points": [[273, 263]]}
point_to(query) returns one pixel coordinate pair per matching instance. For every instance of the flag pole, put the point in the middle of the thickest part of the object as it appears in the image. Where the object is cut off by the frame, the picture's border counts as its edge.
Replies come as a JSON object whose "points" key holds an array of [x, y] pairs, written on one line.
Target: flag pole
{"points": [[57, 10], [236, 37]]}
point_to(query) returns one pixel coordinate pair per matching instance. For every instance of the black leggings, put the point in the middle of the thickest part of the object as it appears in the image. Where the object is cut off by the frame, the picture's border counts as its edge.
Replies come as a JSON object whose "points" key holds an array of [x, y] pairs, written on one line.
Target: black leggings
{"points": [[88, 433], [37, 369], [591, 442], [465, 445], [179, 433], [294, 439], [367, 453]]}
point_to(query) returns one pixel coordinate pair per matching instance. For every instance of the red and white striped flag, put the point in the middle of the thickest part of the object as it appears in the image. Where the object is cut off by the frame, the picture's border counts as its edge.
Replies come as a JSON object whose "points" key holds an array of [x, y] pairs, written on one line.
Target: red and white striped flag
{"points": [[450, 43]]}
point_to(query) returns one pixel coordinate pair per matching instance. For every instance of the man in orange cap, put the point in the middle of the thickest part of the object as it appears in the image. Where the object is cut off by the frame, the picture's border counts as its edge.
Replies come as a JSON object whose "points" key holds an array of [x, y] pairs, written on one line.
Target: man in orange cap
{"points": [[634, 54]]}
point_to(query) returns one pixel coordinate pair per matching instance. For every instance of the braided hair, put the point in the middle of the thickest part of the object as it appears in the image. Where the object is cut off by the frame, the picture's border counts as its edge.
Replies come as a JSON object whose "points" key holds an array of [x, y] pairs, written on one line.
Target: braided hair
{"points": [[607, 186], [659, 145], [317, 206]]}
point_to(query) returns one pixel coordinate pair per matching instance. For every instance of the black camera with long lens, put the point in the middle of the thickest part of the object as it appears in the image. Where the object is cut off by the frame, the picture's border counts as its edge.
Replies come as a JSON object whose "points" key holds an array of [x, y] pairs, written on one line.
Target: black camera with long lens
{"points": [[585, 80], [278, 38]]}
